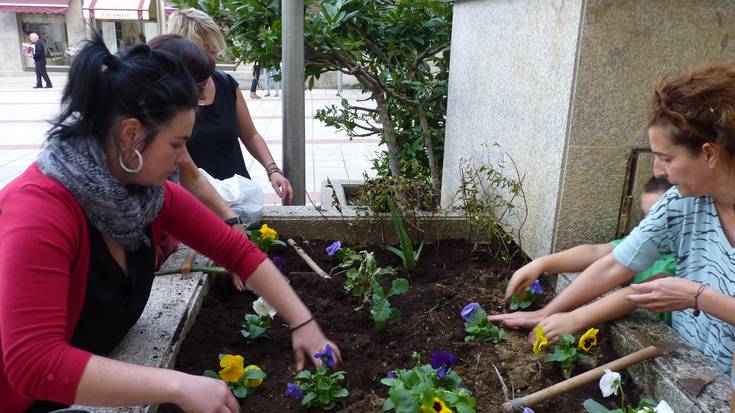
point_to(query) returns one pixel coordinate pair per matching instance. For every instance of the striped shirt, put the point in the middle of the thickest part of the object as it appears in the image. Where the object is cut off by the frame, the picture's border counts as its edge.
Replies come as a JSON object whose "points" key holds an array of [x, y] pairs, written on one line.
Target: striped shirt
{"points": [[689, 229]]}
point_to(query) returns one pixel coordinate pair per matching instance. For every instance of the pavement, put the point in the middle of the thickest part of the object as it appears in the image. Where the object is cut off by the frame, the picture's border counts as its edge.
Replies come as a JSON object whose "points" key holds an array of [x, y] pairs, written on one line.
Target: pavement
{"points": [[25, 112]]}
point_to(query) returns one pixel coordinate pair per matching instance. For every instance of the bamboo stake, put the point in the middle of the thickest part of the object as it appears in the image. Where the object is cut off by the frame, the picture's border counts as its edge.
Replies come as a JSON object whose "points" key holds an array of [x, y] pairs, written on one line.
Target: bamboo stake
{"points": [[584, 378], [304, 256]]}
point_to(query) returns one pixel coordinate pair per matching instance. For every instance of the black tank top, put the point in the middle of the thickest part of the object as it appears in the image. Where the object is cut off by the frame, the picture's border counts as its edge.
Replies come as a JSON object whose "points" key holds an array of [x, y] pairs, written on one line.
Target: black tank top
{"points": [[214, 144], [113, 301]]}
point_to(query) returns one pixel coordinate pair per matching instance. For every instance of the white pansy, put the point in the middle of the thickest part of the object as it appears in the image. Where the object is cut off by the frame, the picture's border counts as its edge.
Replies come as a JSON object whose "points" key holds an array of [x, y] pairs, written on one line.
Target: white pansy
{"points": [[263, 309], [664, 407], [609, 383]]}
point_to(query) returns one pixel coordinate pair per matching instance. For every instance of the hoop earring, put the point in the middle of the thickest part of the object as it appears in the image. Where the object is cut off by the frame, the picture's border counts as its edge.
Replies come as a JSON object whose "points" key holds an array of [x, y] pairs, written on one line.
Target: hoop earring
{"points": [[126, 168]]}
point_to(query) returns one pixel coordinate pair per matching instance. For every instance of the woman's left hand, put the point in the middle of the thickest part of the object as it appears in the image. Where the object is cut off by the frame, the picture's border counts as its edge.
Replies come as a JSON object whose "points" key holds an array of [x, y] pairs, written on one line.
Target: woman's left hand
{"points": [[664, 294], [308, 341], [282, 187]]}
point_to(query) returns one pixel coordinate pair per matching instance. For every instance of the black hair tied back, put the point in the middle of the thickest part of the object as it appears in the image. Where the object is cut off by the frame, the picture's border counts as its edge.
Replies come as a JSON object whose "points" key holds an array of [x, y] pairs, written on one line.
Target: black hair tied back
{"points": [[111, 62]]}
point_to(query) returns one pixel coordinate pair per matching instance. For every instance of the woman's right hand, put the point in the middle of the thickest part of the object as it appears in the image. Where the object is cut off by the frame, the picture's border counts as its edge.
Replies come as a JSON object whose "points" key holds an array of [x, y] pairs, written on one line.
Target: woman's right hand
{"points": [[519, 319], [559, 323], [199, 394], [310, 340], [522, 278]]}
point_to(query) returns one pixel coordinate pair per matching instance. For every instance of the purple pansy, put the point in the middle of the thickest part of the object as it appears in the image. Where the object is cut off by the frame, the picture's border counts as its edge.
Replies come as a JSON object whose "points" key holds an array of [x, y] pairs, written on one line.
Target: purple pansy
{"points": [[468, 310], [333, 248], [527, 410], [326, 354], [391, 375], [280, 263], [294, 391], [443, 360], [536, 287]]}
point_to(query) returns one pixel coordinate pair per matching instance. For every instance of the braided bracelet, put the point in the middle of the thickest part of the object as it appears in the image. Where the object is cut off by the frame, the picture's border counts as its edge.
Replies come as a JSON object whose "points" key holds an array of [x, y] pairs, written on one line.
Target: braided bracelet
{"points": [[272, 168], [696, 299], [302, 324]]}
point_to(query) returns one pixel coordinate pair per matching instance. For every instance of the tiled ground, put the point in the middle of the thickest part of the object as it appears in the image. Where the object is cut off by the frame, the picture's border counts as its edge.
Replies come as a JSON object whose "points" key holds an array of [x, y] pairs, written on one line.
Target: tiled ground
{"points": [[24, 113]]}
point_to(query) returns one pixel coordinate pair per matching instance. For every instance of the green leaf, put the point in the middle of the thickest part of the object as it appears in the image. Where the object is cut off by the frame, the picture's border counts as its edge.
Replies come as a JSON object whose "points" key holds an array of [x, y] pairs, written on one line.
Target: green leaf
{"points": [[342, 392], [212, 374], [240, 392], [306, 401], [594, 407], [405, 403], [400, 286], [304, 374], [255, 374]]}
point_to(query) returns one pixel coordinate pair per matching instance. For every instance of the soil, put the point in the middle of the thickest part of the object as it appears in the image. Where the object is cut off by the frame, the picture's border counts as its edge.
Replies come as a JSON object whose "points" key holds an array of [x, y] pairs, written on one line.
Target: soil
{"points": [[448, 276]]}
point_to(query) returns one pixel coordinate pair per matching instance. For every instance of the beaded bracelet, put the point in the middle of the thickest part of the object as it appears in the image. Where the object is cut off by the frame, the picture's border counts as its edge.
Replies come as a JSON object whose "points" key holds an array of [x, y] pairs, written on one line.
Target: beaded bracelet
{"points": [[696, 299], [272, 168], [302, 324]]}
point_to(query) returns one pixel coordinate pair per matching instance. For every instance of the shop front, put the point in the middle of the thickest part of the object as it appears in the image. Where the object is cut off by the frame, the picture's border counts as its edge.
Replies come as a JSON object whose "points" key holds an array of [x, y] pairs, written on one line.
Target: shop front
{"points": [[123, 23], [47, 18]]}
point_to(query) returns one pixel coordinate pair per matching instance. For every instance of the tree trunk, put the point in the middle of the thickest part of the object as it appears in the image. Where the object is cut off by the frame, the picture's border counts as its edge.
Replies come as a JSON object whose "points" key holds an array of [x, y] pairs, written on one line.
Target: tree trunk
{"points": [[433, 169], [390, 140]]}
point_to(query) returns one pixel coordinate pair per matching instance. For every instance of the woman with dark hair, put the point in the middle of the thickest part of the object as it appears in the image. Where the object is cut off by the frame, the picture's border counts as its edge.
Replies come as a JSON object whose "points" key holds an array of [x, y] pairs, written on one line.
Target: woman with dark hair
{"points": [[77, 235], [691, 130], [195, 59]]}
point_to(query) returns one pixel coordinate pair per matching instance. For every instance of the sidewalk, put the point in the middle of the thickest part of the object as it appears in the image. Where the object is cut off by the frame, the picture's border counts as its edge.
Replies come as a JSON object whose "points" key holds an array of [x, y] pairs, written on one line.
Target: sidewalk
{"points": [[24, 113]]}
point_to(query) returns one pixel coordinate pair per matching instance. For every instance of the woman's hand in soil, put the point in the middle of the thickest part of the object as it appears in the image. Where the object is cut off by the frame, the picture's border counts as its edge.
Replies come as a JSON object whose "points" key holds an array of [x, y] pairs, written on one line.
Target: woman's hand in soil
{"points": [[519, 319], [522, 278], [558, 323], [199, 394], [308, 341]]}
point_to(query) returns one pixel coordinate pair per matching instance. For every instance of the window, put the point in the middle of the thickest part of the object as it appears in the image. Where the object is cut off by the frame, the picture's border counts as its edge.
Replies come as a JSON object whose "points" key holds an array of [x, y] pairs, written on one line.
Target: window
{"points": [[51, 29]]}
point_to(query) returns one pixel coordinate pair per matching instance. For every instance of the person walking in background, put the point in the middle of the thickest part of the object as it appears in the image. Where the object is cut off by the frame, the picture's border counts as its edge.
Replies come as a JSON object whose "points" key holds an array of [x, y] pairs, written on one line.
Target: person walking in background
{"points": [[39, 58], [254, 84], [270, 79]]}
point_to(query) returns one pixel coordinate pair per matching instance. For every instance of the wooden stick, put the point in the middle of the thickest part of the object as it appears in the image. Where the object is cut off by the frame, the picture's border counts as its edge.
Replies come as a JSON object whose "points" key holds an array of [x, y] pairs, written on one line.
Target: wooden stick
{"points": [[584, 378], [304, 256]]}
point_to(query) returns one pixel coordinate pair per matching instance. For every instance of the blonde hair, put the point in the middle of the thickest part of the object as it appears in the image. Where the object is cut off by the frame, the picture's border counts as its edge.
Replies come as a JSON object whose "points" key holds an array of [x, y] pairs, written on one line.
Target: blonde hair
{"points": [[197, 26]]}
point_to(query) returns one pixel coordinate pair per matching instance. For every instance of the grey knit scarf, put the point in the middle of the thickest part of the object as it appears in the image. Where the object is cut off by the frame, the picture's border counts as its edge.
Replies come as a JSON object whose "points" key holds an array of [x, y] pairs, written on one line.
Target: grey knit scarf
{"points": [[121, 213]]}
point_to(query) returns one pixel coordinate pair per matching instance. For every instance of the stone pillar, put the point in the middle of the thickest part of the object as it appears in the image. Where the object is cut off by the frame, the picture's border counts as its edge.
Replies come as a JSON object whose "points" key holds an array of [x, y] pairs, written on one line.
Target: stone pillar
{"points": [[563, 87], [75, 25], [294, 153], [10, 54]]}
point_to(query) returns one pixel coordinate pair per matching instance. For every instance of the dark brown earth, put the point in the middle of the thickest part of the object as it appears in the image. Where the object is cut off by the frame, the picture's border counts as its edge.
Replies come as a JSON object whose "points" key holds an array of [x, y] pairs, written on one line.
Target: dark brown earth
{"points": [[449, 275]]}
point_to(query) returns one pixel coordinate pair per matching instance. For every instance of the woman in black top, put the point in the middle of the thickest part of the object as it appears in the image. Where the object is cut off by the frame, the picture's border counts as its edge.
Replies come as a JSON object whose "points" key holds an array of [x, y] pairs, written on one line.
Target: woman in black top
{"points": [[224, 116]]}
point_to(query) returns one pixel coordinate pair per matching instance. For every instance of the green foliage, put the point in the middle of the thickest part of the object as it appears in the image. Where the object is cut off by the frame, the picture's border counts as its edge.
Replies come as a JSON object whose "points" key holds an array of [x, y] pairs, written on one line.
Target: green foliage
{"points": [[397, 50], [245, 385], [265, 238], [364, 281], [525, 300], [478, 328], [644, 406], [488, 199], [321, 388], [255, 326], [406, 253], [567, 355], [418, 389]]}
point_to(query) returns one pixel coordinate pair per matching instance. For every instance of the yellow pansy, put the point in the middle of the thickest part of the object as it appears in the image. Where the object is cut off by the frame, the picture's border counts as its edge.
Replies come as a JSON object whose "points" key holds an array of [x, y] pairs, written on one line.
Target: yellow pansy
{"points": [[232, 368], [267, 233], [588, 339], [437, 406], [252, 383], [540, 340]]}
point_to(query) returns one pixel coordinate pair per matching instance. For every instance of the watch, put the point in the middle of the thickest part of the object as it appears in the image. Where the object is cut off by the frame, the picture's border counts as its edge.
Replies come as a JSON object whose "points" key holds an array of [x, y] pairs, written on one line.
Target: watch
{"points": [[233, 221]]}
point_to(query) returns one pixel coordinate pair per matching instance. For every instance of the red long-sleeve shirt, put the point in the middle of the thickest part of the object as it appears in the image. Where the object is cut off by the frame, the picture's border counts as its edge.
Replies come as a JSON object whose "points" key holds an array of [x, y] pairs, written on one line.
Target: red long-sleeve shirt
{"points": [[44, 263]]}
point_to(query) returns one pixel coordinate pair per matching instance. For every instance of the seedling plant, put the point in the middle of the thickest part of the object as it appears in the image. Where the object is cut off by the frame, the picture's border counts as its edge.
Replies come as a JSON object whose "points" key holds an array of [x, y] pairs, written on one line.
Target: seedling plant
{"points": [[319, 389], [241, 380]]}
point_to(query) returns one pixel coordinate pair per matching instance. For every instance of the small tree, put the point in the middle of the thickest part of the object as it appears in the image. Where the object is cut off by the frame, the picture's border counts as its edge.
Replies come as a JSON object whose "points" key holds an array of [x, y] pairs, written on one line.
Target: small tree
{"points": [[397, 49]]}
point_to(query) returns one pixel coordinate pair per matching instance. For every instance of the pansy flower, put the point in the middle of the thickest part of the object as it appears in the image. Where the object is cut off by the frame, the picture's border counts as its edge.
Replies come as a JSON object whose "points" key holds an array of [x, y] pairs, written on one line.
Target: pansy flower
{"points": [[267, 233], [468, 310], [252, 383], [437, 406], [280, 263], [443, 361], [326, 354], [293, 391], [588, 339], [540, 340], [609, 383], [333, 248], [232, 368], [263, 308], [536, 288], [391, 375]]}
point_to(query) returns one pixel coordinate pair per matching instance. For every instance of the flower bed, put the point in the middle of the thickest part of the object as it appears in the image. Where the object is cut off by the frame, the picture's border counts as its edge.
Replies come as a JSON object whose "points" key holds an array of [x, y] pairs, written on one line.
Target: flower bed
{"points": [[447, 277]]}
